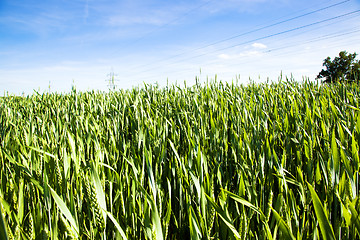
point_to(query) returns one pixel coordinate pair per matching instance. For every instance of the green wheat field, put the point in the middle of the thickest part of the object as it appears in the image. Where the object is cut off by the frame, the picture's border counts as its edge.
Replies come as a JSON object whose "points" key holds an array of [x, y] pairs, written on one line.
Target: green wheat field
{"points": [[215, 160]]}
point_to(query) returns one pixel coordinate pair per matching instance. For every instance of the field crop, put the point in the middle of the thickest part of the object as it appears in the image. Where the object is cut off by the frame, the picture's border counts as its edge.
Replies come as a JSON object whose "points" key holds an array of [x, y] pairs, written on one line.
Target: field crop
{"points": [[212, 161]]}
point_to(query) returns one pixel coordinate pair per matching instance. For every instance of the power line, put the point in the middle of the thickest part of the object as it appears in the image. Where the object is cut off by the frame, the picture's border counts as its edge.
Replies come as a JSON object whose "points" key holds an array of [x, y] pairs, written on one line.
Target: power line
{"points": [[266, 37], [324, 37], [246, 33], [297, 52], [331, 46], [317, 39], [318, 28], [277, 34], [270, 25]]}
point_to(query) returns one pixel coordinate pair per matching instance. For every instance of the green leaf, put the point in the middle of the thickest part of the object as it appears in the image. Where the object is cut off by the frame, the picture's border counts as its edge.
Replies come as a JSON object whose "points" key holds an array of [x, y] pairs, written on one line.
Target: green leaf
{"points": [[100, 195], [41, 151], [254, 208], [352, 107], [117, 225], [325, 227], [285, 229], [64, 209], [355, 151], [156, 221], [358, 123], [167, 216], [176, 154], [354, 216], [195, 232], [155, 218], [224, 217], [196, 183], [148, 158], [245, 202], [335, 168], [21, 201], [3, 231], [345, 211]]}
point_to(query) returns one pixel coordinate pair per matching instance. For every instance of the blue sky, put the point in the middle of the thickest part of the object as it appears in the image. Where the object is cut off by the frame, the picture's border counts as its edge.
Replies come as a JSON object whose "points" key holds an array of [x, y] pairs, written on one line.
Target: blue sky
{"points": [[61, 43]]}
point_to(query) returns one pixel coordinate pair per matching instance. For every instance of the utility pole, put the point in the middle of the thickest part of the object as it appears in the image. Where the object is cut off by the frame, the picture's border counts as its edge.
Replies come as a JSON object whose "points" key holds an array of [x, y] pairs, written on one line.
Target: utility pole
{"points": [[111, 80]]}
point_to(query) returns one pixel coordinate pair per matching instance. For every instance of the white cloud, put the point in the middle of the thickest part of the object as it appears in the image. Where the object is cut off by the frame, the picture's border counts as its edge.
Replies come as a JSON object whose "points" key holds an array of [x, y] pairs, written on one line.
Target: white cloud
{"points": [[224, 56], [86, 11], [148, 13], [243, 6], [245, 54], [259, 45], [129, 20], [252, 53]]}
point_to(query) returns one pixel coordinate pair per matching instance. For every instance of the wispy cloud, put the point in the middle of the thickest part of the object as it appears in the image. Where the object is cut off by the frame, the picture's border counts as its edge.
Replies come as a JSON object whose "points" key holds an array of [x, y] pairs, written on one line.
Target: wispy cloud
{"points": [[142, 14], [253, 50], [240, 55], [259, 45], [241, 5], [59, 41], [42, 18], [86, 11], [149, 19]]}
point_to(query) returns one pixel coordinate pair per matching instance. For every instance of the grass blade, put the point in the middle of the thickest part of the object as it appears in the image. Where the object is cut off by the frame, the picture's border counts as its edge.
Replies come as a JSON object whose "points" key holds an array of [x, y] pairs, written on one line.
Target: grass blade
{"points": [[354, 216], [251, 206], [117, 225], [283, 226], [223, 217], [3, 231], [64, 209], [100, 195], [325, 227]]}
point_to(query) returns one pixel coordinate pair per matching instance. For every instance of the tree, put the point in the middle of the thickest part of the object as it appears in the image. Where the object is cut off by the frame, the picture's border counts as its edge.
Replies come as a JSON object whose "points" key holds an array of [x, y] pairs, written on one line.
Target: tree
{"points": [[342, 68]]}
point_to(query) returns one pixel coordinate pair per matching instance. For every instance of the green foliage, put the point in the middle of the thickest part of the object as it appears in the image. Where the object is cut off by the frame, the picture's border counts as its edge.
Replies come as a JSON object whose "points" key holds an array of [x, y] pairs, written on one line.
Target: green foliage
{"points": [[342, 68], [213, 161], [3, 230], [325, 227]]}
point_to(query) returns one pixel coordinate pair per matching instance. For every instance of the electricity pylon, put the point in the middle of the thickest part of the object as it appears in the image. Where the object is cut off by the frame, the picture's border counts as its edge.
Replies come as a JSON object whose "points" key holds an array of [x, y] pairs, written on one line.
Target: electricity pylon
{"points": [[111, 80]]}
